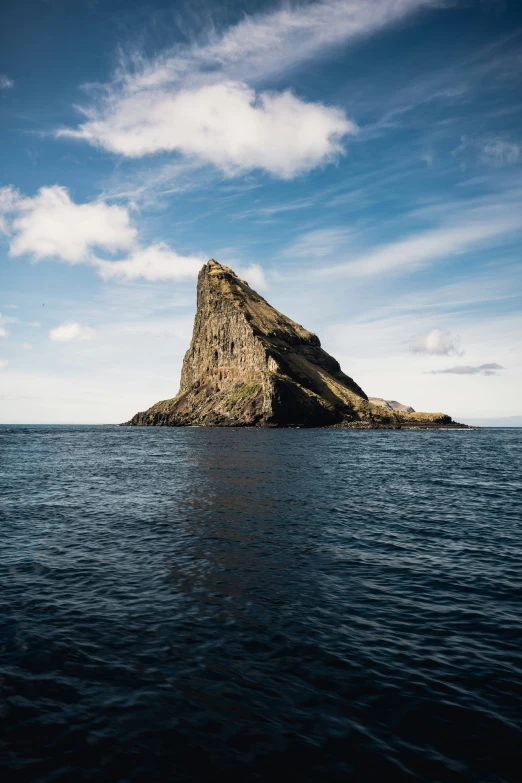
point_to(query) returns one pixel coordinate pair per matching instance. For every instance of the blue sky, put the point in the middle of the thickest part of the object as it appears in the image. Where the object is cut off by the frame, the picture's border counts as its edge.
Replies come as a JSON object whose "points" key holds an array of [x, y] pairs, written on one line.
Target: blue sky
{"points": [[358, 162]]}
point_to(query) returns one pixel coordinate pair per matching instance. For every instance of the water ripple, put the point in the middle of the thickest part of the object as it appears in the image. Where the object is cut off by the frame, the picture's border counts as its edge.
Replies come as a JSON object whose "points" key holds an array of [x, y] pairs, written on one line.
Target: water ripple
{"points": [[179, 604]]}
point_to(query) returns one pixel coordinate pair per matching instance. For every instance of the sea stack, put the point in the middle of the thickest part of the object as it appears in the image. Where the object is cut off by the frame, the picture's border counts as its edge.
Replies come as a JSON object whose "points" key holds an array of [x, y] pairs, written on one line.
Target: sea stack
{"points": [[249, 365]]}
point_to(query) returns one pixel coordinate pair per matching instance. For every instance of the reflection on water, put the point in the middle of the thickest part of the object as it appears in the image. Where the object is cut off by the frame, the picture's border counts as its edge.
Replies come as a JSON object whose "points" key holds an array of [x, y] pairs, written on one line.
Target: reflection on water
{"points": [[328, 605]]}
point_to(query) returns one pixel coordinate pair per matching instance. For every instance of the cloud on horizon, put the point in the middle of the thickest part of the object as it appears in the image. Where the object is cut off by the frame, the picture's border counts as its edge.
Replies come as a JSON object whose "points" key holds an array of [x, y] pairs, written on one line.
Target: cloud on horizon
{"points": [[481, 369]]}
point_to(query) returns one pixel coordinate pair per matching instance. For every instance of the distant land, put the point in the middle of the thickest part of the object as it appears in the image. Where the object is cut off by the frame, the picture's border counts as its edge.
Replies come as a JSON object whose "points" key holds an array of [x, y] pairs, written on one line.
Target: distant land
{"points": [[391, 405], [249, 365], [505, 421]]}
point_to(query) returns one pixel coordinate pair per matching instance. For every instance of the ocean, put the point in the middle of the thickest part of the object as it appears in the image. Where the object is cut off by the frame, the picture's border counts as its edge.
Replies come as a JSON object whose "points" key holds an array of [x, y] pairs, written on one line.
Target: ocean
{"points": [[322, 605]]}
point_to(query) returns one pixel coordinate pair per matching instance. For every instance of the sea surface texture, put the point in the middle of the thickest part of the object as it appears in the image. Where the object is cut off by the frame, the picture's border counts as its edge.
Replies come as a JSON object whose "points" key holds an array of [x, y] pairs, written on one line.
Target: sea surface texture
{"points": [[310, 605]]}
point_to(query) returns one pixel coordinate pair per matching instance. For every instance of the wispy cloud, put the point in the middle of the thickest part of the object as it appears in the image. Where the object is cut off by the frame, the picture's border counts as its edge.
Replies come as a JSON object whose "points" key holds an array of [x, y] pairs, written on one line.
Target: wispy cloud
{"points": [[319, 243], [500, 152], [148, 185], [270, 211], [491, 150], [5, 82], [423, 248], [198, 101], [456, 83], [462, 369], [4, 320], [276, 41], [9, 200]]}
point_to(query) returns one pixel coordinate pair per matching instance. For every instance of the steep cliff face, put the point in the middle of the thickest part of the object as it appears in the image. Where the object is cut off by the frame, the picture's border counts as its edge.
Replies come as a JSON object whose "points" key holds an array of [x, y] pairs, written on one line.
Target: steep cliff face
{"points": [[250, 365]]}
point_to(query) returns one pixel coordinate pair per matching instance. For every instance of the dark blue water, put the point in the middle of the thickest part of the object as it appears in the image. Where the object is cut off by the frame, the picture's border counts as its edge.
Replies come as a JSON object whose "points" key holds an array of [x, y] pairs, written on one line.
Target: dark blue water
{"points": [[180, 604]]}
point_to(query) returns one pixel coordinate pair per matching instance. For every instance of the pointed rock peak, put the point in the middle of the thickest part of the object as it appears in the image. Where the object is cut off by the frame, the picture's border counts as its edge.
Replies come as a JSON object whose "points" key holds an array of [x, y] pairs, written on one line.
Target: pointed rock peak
{"points": [[216, 279], [213, 267], [250, 365]]}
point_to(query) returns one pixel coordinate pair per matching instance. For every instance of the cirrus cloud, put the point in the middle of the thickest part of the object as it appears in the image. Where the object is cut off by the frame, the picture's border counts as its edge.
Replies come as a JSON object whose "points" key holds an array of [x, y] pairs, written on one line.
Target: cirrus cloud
{"points": [[420, 250], [492, 150], [6, 319]]}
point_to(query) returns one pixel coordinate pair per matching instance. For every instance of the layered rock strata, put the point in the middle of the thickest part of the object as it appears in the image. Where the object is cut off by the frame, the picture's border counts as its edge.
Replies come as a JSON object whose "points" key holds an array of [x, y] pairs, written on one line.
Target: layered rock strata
{"points": [[250, 365]]}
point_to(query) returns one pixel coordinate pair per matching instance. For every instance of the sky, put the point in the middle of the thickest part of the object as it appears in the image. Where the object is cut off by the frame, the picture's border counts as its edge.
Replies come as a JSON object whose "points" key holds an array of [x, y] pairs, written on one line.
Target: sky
{"points": [[358, 162]]}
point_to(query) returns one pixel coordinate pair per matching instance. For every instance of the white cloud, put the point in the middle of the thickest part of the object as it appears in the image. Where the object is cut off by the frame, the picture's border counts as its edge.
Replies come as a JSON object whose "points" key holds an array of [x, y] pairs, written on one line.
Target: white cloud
{"points": [[153, 263], [51, 225], [27, 346], [5, 82], [3, 364], [196, 100], [224, 124], [71, 331], [438, 342], [159, 262]]}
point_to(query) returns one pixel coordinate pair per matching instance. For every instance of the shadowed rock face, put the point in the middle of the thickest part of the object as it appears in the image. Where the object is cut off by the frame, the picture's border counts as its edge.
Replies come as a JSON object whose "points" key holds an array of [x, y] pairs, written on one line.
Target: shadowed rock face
{"points": [[250, 365]]}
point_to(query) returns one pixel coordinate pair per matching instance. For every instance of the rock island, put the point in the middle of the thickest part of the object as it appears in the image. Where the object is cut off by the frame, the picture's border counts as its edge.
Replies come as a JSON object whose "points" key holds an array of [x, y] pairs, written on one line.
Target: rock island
{"points": [[249, 365]]}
